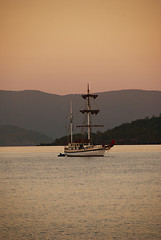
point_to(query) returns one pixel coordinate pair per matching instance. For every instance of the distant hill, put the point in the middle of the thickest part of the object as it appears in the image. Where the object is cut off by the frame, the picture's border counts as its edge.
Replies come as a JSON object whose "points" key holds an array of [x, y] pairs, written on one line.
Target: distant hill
{"points": [[46, 113], [142, 131], [15, 136]]}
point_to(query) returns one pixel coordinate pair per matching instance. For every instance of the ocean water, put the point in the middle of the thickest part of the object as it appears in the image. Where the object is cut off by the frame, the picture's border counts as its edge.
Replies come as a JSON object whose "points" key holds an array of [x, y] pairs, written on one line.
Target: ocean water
{"points": [[114, 197]]}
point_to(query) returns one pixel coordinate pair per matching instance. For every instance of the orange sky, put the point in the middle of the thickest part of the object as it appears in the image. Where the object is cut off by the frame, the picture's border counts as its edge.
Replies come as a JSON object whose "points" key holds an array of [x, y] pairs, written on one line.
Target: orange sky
{"points": [[59, 46]]}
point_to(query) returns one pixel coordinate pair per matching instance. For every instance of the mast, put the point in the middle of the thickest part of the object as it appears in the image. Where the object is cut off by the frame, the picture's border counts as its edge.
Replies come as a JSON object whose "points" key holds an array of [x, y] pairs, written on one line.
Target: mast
{"points": [[71, 123], [88, 115], [89, 111]]}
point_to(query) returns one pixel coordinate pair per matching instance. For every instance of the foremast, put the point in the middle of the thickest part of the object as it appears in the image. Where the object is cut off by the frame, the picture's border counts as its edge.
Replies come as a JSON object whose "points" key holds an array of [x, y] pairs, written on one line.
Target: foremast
{"points": [[89, 111]]}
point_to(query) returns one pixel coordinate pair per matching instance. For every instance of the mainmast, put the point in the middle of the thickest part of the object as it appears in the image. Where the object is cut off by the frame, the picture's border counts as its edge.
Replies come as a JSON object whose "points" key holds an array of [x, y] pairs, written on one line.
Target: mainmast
{"points": [[71, 123], [89, 111], [88, 115]]}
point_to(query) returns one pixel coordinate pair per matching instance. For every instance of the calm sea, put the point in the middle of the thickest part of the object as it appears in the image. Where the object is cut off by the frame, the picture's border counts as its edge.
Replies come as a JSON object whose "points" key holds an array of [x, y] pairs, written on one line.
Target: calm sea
{"points": [[114, 197]]}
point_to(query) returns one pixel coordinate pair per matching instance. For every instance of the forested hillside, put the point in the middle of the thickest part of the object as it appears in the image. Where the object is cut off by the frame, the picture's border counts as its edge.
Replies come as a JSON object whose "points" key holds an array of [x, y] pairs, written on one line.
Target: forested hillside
{"points": [[141, 131]]}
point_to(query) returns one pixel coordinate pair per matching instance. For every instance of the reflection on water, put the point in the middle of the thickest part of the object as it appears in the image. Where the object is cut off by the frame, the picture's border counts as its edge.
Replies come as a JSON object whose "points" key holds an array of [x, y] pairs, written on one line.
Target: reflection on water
{"points": [[46, 197]]}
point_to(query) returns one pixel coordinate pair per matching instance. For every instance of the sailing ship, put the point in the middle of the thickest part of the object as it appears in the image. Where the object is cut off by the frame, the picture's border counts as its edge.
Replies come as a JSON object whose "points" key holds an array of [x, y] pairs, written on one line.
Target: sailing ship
{"points": [[83, 147]]}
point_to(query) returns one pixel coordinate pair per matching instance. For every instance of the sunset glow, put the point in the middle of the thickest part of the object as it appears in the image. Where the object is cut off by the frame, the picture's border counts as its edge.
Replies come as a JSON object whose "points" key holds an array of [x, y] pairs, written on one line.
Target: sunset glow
{"points": [[59, 46]]}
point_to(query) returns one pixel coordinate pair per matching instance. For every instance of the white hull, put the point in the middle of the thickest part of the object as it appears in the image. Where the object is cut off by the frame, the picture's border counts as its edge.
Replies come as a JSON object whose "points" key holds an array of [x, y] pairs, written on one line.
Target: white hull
{"points": [[91, 152]]}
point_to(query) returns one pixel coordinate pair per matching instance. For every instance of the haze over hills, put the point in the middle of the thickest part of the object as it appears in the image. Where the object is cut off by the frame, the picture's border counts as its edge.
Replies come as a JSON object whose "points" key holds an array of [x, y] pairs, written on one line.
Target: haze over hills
{"points": [[15, 136], [46, 113]]}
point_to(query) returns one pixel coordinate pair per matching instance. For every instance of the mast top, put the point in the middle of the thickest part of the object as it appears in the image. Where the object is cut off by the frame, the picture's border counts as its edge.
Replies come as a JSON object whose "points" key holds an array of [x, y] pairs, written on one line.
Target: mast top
{"points": [[88, 94]]}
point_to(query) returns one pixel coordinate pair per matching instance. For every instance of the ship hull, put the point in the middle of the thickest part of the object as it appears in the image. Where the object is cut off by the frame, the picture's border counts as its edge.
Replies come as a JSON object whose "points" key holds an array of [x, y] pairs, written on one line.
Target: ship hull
{"points": [[92, 152]]}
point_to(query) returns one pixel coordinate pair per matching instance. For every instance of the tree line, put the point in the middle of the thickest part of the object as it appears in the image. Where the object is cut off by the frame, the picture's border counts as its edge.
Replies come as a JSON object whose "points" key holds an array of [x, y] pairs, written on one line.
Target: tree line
{"points": [[141, 131]]}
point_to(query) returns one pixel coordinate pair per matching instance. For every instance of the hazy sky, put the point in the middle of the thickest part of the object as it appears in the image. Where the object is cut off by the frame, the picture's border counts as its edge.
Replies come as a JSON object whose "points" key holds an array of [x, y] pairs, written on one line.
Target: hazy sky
{"points": [[59, 46]]}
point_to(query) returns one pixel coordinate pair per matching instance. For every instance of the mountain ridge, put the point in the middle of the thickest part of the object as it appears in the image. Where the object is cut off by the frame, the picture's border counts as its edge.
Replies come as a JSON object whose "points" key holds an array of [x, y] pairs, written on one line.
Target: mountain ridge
{"points": [[46, 112]]}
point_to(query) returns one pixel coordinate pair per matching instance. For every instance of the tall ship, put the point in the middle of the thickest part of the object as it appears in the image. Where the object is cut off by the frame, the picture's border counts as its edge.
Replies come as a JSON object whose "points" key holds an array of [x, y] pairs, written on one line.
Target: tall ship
{"points": [[84, 147]]}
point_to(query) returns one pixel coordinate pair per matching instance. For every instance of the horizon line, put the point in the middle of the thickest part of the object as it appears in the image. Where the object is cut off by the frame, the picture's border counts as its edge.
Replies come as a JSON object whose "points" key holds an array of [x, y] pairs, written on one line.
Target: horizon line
{"points": [[43, 91]]}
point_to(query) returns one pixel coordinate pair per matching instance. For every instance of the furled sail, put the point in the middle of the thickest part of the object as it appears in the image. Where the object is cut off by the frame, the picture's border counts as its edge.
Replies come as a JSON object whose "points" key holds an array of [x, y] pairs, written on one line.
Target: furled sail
{"points": [[89, 95], [89, 111]]}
